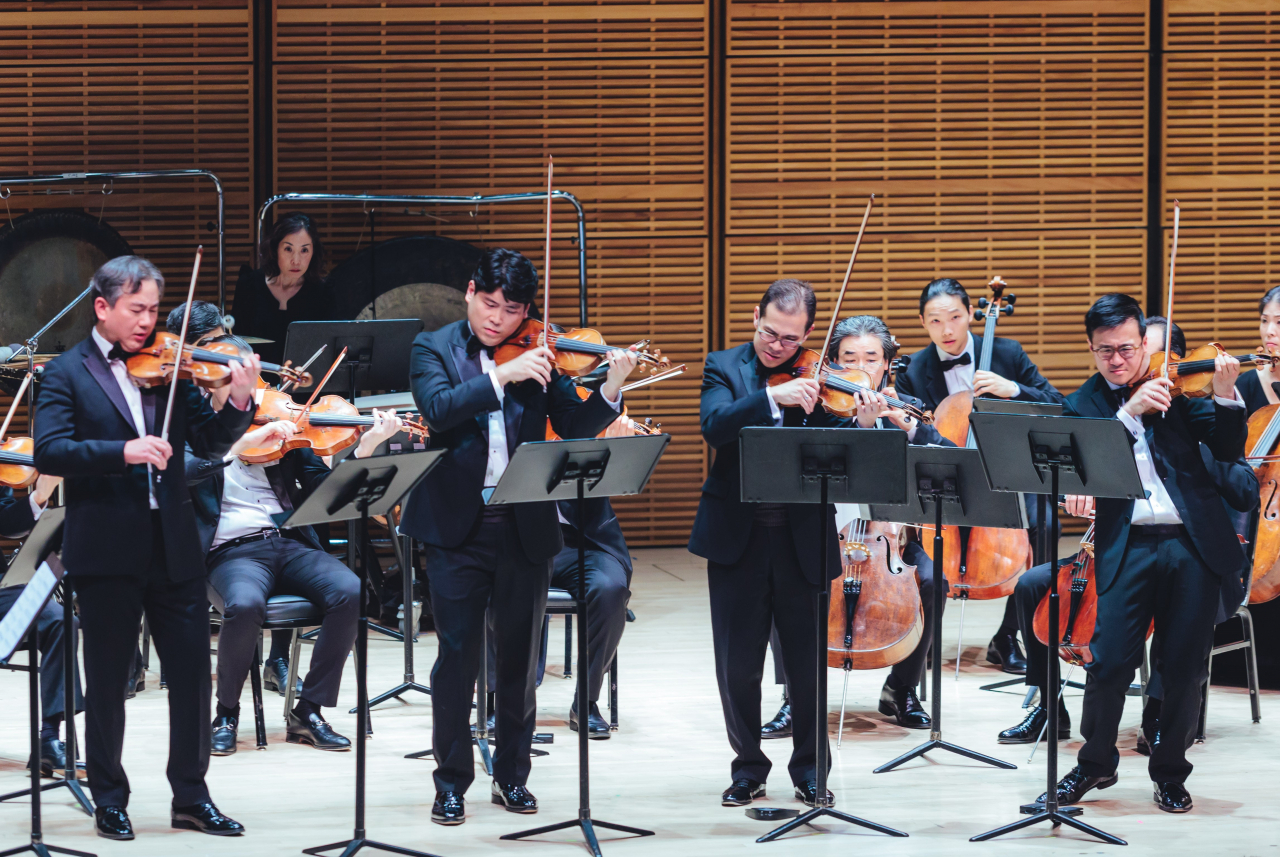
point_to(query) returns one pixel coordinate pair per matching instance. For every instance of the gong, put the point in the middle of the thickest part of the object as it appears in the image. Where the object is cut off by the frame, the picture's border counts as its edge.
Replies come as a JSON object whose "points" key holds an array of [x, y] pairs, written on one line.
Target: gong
{"points": [[46, 260]]}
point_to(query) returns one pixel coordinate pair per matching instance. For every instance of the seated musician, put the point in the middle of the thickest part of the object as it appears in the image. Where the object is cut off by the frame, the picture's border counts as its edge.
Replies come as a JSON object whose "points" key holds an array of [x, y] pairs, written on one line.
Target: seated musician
{"points": [[1161, 557], [17, 516], [764, 561], [1258, 387], [949, 365], [206, 325], [864, 342], [238, 510]]}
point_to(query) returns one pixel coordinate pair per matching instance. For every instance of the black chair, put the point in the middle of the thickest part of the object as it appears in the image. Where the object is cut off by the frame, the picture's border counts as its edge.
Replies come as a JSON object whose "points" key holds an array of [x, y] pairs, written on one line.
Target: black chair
{"points": [[284, 613], [560, 602]]}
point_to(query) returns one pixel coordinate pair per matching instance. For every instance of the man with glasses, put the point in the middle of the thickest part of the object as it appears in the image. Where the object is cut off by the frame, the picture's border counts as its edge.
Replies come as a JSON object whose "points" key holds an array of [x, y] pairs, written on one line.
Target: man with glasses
{"points": [[1162, 557], [764, 560]]}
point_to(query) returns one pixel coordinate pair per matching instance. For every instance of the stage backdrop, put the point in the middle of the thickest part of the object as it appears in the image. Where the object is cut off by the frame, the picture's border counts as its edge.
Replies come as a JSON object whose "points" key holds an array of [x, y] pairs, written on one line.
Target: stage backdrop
{"points": [[716, 145]]}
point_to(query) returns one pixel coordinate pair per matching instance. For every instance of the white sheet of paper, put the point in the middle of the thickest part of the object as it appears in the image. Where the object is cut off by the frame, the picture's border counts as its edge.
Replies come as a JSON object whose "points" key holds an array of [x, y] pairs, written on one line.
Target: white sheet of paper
{"points": [[24, 611]]}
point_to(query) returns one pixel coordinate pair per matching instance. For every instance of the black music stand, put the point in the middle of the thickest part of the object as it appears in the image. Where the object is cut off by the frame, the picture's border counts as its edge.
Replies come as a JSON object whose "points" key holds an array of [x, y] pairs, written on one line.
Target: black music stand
{"points": [[563, 470], [1040, 455], [377, 352], [38, 569], [356, 489], [948, 487], [803, 466]]}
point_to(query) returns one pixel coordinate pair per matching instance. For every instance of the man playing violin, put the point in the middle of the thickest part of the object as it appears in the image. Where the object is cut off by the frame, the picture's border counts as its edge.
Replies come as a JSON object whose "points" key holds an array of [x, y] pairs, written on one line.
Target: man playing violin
{"points": [[499, 557], [130, 540], [950, 365], [239, 508], [1162, 557], [764, 560]]}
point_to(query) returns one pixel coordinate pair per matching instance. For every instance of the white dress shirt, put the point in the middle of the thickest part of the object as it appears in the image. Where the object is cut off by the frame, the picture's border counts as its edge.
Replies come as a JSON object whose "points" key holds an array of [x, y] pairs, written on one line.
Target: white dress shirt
{"points": [[1158, 507], [960, 377], [248, 502], [132, 398]]}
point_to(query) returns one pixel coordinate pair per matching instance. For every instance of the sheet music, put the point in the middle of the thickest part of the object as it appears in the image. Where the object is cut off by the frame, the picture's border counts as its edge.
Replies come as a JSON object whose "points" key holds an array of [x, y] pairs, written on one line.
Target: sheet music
{"points": [[24, 611]]}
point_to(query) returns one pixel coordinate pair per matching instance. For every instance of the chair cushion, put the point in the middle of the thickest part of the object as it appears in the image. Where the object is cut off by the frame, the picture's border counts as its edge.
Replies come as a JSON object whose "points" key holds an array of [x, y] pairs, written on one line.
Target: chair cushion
{"points": [[291, 608], [560, 601]]}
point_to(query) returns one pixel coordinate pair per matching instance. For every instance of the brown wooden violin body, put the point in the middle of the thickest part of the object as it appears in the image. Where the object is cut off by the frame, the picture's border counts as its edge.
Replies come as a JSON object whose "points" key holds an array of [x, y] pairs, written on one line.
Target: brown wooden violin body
{"points": [[1192, 375], [17, 467], [840, 386], [579, 351], [1264, 431], [1077, 606], [207, 366], [329, 426], [875, 617]]}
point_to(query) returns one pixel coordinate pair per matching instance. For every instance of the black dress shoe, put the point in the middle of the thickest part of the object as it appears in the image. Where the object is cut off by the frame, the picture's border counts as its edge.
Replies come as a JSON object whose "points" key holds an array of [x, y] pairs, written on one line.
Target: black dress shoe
{"points": [[903, 706], [1028, 731], [112, 822], [314, 731], [1144, 746], [222, 742], [449, 808], [205, 818], [597, 726], [742, 792], [275, 676], [53, 757], [807, 793], [514, 798], [1076, 785], [1005, 650], [780, 725], [1172, 797]]}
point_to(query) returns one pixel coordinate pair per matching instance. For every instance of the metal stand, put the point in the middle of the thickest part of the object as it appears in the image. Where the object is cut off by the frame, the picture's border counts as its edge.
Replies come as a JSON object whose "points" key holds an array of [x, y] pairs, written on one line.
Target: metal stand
{"points": [[407, 630], [480, 735], [938, 492], [584, 821]]}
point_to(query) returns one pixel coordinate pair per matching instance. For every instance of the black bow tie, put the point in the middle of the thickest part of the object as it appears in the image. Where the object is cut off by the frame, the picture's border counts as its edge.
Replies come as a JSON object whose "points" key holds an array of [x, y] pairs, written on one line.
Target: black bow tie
{"points": [[474, 345], [963, 360], [118, 353]]}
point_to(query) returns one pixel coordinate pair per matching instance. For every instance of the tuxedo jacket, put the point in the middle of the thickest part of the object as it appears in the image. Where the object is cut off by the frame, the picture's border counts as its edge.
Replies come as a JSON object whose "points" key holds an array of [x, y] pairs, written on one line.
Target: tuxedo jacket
{"points": [[292, 478], [924, 379], [82, 424], [455, 398], [1239, 487], [733, 398], [600, 526], [1175, 442], [16, 517]]}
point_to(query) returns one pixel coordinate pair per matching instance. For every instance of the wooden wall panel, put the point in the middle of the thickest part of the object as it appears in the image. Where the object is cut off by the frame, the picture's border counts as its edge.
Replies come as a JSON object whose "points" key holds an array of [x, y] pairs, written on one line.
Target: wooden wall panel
{"points": [[1055, 276], [1216, 25], [416, 30], [893, 26], [1222, 273], [945, 142]]}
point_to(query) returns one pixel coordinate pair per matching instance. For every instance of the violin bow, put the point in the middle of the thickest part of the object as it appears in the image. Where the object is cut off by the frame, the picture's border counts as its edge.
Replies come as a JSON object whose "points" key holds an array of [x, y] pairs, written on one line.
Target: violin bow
{"points": [[13, 406], [306, 409], [835, 313], [284, 384], [546, 260], [182, 345], [1168, 314]]}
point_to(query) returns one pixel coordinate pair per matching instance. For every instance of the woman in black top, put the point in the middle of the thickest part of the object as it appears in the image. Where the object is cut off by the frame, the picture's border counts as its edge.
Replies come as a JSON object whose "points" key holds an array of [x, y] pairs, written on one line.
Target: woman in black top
{"points": [[1256, 386], [288, 286]]}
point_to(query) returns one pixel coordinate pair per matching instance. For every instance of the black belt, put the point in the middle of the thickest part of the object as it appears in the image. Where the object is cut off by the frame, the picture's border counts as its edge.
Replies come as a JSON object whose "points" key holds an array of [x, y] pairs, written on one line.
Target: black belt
{"points": [[244, 540], [1157, 529]]}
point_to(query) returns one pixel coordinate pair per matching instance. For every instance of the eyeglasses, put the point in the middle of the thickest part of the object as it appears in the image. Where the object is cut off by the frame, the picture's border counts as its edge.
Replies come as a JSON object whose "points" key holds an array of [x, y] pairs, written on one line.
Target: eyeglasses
{"points": [[1106, 352], [768, 337]]}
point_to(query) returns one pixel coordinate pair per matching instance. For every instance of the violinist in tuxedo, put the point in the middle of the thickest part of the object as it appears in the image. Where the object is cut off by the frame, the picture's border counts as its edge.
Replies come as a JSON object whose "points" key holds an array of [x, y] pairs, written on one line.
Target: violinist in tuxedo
{"points": [[498, 557], [131, 545], [1162, 557], [764, 560], [949, 364]]}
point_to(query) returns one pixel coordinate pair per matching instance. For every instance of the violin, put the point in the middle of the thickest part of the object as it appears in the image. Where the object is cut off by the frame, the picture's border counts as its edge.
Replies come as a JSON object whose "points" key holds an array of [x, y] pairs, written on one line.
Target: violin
{"points": [[1260, 452], [993, 559], [17, 466], [1192, 375], [326, 426], [207, 366], [647, 427], [885, 626], [840, 386], [579, 351]]}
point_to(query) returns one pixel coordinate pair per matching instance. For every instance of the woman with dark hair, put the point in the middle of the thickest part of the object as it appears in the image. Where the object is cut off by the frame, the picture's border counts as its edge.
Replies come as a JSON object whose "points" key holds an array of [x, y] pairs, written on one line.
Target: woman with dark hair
{"points": [[1256, 387], [287, 286]]}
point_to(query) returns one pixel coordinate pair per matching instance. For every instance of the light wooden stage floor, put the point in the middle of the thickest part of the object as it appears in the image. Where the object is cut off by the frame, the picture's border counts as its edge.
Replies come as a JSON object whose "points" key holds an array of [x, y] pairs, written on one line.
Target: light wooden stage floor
{"points": [[666, 768]]}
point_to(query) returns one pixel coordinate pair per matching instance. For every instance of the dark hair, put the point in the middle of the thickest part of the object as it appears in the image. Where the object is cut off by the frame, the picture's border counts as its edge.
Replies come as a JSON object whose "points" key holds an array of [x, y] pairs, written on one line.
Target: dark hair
{"points": [[245, 348], [268, 253], [123, 275], [939, 288], [509, 271], [1112, 310], [863, 325], [1272, 296], [791, 296], [1177, 340], [204, 318]]}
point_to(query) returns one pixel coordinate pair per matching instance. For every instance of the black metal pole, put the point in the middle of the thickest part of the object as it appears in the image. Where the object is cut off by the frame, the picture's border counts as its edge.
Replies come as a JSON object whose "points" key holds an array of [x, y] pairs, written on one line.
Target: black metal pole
{"points": [[408, 629]]}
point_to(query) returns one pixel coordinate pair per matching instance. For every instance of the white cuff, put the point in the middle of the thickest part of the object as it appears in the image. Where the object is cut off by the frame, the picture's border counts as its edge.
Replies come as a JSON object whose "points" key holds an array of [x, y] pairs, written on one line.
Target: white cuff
{"points": [[1237, 402], [1132, 423], [616, 404], [911, 432], [36, 509], [774, 411], [497, 388]]}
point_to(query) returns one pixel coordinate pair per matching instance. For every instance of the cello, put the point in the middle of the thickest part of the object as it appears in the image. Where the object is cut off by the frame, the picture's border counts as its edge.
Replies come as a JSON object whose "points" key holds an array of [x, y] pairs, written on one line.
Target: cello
{"points": [[993, 558], [1260, 452]]}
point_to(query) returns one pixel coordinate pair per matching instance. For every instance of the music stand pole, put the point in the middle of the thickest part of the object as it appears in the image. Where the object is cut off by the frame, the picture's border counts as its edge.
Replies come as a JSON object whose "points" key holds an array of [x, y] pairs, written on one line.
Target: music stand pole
{"points": [[407, 628]]}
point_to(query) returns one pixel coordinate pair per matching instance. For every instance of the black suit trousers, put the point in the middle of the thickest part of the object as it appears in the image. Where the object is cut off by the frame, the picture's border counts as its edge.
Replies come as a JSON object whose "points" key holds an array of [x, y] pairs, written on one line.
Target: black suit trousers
{"points": [[765, 587], [111, 607], [49, 637], [1165, 578], [489, 570], [607, 596], [1027, 596]]}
